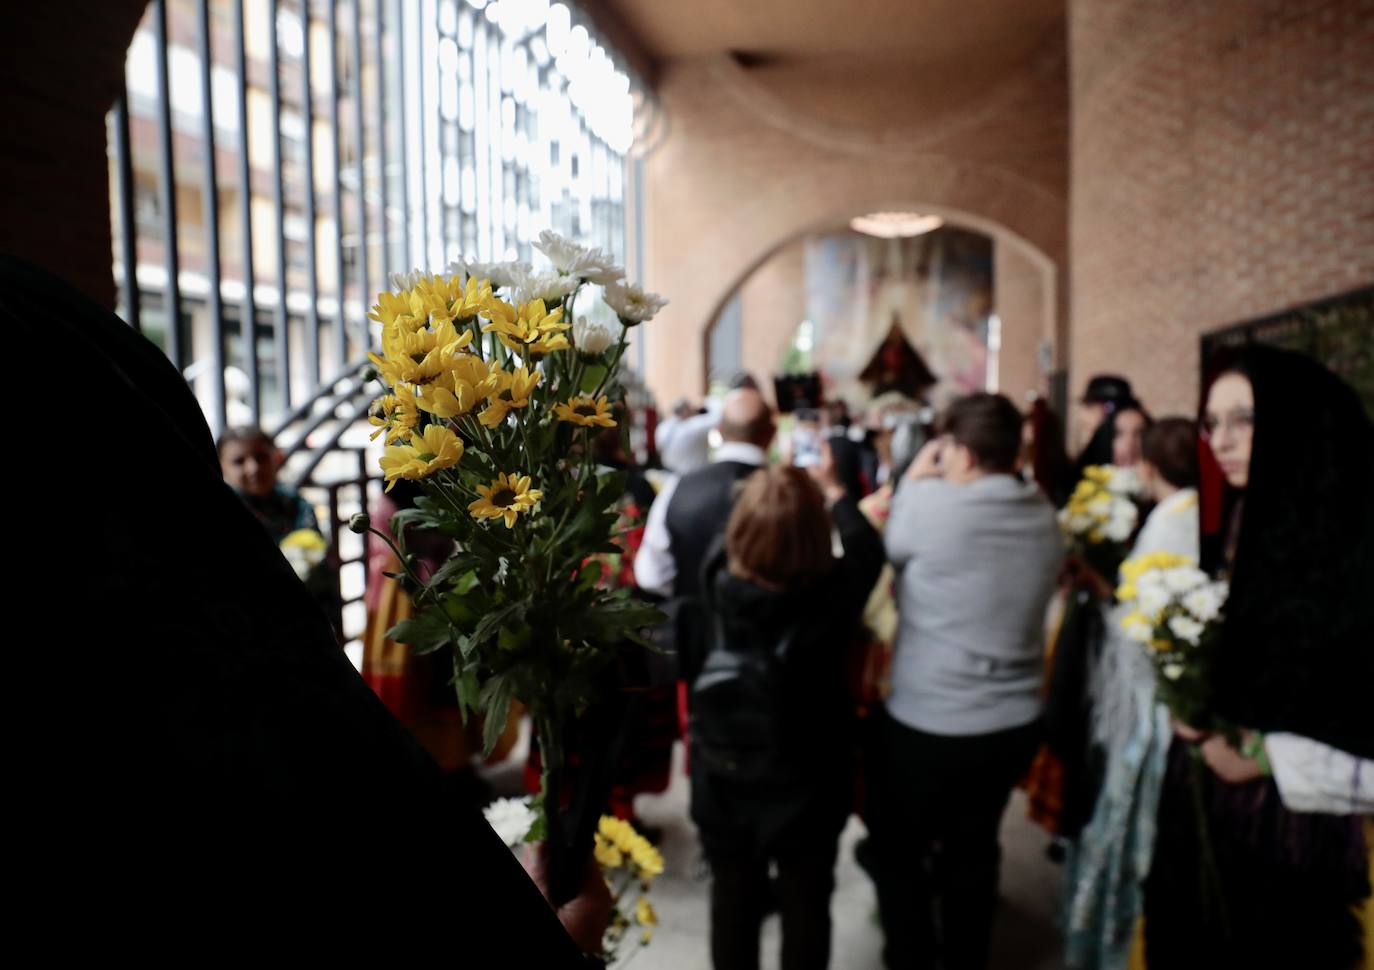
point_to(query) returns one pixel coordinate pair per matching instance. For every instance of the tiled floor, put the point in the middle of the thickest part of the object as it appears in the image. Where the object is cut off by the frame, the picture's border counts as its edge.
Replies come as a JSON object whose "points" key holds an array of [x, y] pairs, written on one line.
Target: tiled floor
{"points": [[1025, 936]]}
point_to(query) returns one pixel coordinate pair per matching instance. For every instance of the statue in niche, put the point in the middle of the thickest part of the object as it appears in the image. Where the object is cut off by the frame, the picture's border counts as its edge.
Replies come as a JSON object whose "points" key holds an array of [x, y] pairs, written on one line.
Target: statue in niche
{"points": [[897, 366]]}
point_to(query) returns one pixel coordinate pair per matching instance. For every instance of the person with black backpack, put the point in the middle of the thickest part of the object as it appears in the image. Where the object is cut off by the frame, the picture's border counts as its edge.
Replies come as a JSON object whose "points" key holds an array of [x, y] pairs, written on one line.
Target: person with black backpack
{"points": [[772, 729]]}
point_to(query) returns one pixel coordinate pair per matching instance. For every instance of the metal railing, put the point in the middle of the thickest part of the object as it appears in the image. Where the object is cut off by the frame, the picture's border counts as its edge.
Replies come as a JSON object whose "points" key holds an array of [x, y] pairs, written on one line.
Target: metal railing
{"points": [[350, 138]]}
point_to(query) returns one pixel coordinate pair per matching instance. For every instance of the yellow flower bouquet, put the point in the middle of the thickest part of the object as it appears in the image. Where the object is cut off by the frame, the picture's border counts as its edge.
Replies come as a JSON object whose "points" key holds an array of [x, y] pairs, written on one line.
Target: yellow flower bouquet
{"points": [[491, 406]]}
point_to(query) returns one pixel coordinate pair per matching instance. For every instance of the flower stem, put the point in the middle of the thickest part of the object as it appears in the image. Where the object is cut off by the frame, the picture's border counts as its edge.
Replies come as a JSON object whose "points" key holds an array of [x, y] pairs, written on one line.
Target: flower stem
{"points": [[614, 365]]}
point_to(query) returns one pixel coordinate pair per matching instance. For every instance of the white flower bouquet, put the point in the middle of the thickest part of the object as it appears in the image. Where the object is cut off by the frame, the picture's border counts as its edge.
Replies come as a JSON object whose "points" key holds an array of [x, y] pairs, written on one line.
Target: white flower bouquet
{"points": [[1100, 516], [1177, 611]]}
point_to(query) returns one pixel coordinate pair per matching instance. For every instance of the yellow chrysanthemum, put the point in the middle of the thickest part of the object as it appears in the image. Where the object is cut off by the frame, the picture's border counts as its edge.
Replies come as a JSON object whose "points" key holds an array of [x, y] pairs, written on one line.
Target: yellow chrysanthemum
{"points": [[466, 385], [531, 330], [509, 390], [307, 539], [400, 341], [505, 498], [586, 412], [446, 298], [607, 855], [616, 831], [397, 414], [419, 358], [647, 858], [435, 448], [1126, 592], [644, 913], [396, 309], [641, 851]]}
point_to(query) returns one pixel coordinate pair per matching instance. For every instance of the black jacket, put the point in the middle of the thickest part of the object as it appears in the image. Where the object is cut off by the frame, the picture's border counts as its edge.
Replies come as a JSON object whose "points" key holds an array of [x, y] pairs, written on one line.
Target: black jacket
{"points": [[698, 512], [809, 796]]}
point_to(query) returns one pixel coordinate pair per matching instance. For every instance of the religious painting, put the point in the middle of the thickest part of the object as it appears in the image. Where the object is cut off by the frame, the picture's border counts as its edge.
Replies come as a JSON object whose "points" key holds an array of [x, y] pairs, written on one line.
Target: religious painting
{"points": [[918, 306]]}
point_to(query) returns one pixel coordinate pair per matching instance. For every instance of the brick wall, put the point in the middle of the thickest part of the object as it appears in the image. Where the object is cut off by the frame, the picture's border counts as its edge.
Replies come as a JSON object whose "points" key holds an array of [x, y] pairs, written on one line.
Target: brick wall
{"points": [[1222, 169]]}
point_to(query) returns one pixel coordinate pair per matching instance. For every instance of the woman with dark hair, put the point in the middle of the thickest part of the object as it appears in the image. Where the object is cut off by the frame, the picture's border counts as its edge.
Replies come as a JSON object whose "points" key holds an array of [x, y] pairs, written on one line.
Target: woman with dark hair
{"points": [[1106, 868], [1064, 810], [776, 581], [1295, 661], [1117, 439]]}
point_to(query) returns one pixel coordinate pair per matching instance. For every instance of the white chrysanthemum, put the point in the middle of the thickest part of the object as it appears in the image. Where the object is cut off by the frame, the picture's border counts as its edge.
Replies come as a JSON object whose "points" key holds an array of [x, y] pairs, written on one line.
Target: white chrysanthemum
{"points": [[511, 818], [1121, 522], [1124, 481], [573, 259], [1186, 629], [1076, 523], [1205, 602], [1182, 579], [1137, 628], [1101, 506], [591, 338], [1173, 671], [407, 281], [551, 287], [632, 304], [1152, 596], [498, 274]]}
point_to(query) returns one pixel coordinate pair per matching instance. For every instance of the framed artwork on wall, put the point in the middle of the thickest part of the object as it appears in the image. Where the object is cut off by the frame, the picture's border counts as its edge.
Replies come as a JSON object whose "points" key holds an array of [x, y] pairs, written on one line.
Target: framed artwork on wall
{"points": [[1338, 331]]}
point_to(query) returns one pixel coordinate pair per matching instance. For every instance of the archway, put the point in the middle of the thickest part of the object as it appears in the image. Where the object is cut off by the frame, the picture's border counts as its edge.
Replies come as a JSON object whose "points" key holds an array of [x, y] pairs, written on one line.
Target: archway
{"points": [[1026, 291]]}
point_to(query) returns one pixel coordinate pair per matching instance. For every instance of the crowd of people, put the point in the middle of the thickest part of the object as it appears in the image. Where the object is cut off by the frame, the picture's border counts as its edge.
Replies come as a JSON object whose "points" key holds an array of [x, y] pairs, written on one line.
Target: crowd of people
{"points": [[877, 623], [238, 715], [907, 606], [882, 618]]}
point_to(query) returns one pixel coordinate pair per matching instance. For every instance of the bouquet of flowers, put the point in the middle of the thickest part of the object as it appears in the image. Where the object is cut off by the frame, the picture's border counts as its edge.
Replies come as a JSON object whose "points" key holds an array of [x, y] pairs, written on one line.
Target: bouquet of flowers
{"points": [[492, 399], [305, 550], [1176, 613], [629, 862], [1100, 516]]}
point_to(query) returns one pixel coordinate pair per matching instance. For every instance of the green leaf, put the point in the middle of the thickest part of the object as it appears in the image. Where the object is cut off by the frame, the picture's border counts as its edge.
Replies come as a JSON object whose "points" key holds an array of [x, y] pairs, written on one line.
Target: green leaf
{"points": [[492, 622], [420, 519], [457, 565], [495, 702], [591, 379], [426, 632], [469, 687], [540, 829], [513, 637]]}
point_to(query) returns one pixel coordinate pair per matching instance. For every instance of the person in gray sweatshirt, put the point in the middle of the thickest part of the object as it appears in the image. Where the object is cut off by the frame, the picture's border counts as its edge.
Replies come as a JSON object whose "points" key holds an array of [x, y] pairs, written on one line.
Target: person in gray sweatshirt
{"points": [[977, 551]]}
